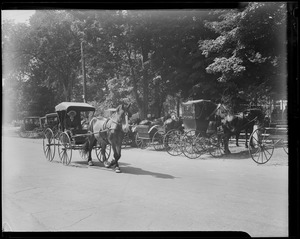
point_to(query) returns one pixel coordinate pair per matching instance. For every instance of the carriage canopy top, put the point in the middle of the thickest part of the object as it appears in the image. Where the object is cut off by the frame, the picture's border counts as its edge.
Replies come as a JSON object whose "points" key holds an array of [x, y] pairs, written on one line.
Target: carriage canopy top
{"points": [[79, 106], [50, 115], [190, 102], [32, 117]]}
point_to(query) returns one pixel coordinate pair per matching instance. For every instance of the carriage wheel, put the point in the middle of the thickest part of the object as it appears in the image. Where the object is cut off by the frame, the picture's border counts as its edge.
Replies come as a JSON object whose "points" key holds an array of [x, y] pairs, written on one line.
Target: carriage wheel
{"points": [[192, 145], [49, 144], [263, 147], [214, 145], [158, 141], [107, 152], [138, 141], [65, 148], [172, 142], [141, 143]]}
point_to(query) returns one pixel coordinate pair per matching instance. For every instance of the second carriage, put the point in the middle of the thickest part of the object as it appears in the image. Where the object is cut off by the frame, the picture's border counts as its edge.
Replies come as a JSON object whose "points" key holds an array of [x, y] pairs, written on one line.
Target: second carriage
{"points": [[265, 139], [201, 132], [72, 132]]}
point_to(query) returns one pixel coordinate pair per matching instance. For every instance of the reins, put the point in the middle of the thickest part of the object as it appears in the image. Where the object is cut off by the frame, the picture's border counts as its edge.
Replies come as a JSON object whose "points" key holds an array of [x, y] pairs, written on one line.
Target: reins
{"points": [[242, 127]]}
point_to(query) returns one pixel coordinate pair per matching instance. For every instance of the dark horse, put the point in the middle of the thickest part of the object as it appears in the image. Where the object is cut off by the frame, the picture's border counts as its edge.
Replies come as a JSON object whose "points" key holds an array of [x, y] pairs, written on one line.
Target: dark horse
{"points": [[108, 131], [235, 124]]}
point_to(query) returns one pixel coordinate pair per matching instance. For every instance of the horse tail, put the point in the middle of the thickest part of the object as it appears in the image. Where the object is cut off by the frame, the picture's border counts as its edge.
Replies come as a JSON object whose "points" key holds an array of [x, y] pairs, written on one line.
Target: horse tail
{"points": [[86, 146]]}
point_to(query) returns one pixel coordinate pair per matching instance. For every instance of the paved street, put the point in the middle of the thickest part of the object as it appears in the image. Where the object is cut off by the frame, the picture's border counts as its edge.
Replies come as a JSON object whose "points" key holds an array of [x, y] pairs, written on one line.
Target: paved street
{"points": [[154, 192]]}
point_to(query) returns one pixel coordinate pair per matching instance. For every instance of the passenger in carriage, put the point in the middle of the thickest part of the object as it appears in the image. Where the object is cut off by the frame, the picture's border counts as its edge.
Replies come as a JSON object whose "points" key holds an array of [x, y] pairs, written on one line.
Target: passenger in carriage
{"points": [[72, 121]]}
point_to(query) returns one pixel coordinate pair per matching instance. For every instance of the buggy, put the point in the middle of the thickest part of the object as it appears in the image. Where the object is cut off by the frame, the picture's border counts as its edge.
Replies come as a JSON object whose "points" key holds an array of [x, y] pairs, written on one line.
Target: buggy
{"points": [[201, 134], [265, 139], [71, 134]]}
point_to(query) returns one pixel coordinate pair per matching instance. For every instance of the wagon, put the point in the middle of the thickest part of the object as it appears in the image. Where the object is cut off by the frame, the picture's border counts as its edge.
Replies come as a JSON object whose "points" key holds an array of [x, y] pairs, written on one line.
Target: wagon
{"points": [[51, 121], [144, 135], [31, 127], [193, 142], [72, 132], [266, 139]]}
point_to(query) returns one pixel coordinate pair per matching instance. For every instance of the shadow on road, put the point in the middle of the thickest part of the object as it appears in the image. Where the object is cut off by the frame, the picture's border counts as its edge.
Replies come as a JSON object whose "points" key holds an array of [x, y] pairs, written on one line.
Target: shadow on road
{"points": [[139, 171], [244, 154], [125, 168]]}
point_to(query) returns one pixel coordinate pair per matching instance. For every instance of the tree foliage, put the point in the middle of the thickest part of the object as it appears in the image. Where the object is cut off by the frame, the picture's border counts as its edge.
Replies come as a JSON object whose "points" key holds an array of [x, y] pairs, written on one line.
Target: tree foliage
{"points": [[248, 53], [143, 57]]}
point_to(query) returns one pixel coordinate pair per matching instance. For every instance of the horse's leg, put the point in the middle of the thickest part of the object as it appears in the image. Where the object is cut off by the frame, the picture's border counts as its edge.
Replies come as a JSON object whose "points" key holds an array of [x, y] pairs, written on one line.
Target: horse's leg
{"points": [[246, 135], [91, 141], [237, 135], [251, 139], [226, 141], [103, 153], [117, 155]]}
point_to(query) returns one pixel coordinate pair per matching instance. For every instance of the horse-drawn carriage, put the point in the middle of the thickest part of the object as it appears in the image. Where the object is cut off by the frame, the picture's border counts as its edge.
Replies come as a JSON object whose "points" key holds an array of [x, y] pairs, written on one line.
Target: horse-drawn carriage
{"points": [[71, 133], [200, 135], [31, 127], [266, 138], [144, 134], [154, 132], [51, 121]]}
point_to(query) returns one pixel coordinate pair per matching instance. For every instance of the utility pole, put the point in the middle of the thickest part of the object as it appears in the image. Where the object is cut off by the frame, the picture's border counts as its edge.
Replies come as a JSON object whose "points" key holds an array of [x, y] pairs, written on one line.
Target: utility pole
{"points": [[83, 74]]}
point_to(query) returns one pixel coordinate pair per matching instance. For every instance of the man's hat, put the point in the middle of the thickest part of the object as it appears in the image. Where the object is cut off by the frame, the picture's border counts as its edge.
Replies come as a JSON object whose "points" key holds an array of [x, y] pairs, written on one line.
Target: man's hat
{"points": [[72, 113]]}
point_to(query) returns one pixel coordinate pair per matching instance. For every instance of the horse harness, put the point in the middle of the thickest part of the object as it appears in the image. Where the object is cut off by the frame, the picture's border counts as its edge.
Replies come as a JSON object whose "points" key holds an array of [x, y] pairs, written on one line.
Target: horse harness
{"points": [[105, 128]]}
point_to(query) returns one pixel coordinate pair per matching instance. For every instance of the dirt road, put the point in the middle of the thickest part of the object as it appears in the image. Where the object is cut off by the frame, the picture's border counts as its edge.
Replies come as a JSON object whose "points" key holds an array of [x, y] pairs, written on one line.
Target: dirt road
{"points": [[154, 192]]}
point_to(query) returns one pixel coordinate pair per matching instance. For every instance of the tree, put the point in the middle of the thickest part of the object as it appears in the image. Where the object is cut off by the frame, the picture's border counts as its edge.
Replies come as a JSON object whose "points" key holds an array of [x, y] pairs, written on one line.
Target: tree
{"points": [[248, 54]]}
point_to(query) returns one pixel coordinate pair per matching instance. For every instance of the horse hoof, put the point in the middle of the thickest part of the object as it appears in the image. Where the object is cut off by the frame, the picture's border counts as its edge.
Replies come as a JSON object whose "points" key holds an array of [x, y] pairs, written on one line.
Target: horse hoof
{"points": [[90, 163], [117, 170], [112, 163]]}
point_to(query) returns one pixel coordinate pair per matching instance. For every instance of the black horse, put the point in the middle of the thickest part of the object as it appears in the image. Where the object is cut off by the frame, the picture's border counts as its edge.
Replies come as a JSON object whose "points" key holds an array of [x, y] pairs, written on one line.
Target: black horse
{"points": [[235, 124], [108, 131]]}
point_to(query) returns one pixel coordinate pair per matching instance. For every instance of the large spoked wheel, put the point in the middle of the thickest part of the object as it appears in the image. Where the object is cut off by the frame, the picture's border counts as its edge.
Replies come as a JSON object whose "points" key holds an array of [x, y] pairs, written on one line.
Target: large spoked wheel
{"points": [[138, 141], [192, 145], [107, 152], [49, 144], [141, 143], [158, 141], [65, 148], [172, 142], [214, 145], [263, 147]]}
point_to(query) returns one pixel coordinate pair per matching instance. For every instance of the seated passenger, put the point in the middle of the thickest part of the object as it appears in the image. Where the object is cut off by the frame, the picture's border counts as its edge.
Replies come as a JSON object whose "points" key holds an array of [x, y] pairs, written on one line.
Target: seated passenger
{"points": [[71, 121]]}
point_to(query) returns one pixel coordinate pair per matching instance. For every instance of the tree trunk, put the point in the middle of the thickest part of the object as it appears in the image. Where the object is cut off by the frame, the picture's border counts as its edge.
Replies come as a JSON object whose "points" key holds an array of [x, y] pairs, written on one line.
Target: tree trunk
{"points": [[134, 84], [145, 51]]}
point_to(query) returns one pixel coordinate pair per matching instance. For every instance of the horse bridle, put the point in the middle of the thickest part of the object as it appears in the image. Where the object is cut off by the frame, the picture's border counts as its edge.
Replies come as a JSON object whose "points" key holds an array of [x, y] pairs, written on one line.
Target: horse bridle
{"points": [[116, 122]]}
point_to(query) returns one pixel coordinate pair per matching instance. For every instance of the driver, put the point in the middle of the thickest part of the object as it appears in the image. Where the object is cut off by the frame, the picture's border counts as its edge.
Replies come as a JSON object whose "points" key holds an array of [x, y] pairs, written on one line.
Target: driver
{"points": [[72, 121]]}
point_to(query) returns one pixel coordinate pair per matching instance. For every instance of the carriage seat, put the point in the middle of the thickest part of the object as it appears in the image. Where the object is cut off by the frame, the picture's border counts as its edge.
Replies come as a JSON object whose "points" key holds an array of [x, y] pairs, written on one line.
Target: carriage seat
{"points": [[73, 134]]}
